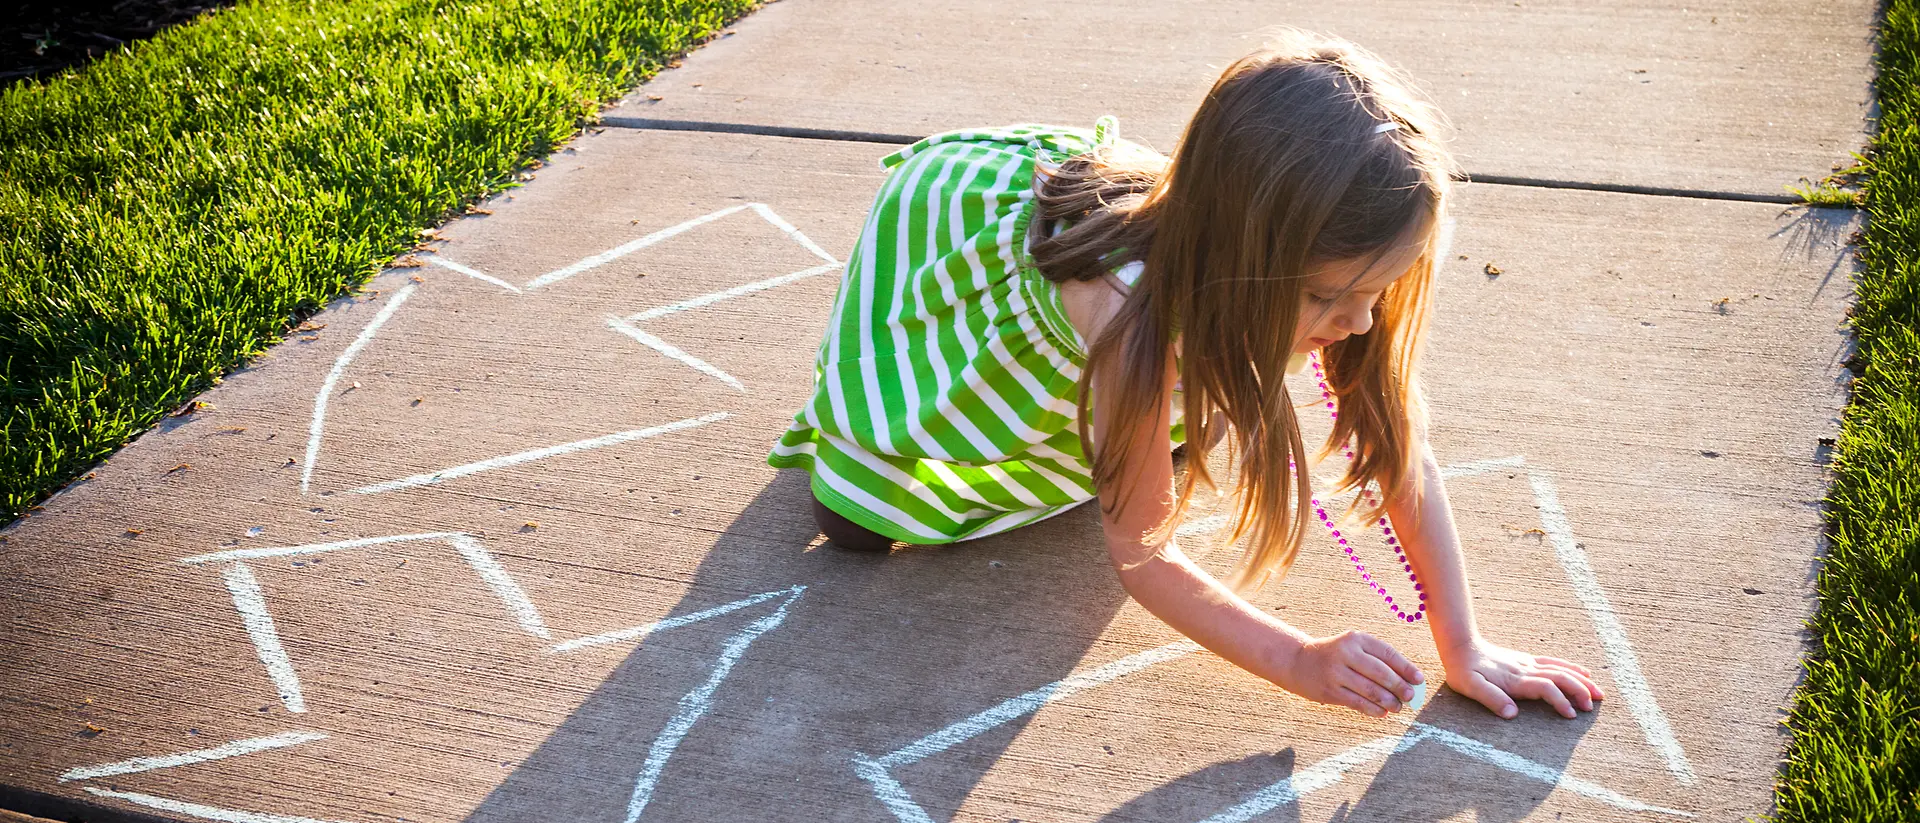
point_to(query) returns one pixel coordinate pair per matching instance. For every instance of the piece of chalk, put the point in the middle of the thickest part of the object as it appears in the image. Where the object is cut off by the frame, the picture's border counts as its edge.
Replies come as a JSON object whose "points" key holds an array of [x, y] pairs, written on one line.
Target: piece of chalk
{"points": [[1419, 697]]}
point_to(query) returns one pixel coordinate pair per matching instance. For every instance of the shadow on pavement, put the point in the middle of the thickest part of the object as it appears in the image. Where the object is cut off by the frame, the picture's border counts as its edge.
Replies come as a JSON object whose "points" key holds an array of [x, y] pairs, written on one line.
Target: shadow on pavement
{"points": [[875, 654], [1431, 781]]}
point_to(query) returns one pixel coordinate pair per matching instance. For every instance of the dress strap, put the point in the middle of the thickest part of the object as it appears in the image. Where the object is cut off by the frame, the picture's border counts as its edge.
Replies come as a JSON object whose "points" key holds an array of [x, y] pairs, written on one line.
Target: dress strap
{"points": [[1106, 130]]}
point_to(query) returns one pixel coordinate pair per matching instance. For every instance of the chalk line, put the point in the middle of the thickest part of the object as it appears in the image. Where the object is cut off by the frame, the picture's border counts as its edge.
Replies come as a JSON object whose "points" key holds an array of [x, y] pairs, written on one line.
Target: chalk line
{"points": [[1333, 769], [672, 351], [780, 223], [538, 454], [474, 273], [202, 812], [696, 703], [1479, 467], [279, 551], [318, 424], [877, 771], [502, 584], [1313, 778], [604, 257], [736, 291], [1546, 774], [252, 606], [168, 761], [1613, 636], [638, 632]]}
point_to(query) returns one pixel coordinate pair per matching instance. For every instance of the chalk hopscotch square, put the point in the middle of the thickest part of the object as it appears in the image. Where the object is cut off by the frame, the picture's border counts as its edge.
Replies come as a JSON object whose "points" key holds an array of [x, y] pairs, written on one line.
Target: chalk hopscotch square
{"points": [[886, 773]]}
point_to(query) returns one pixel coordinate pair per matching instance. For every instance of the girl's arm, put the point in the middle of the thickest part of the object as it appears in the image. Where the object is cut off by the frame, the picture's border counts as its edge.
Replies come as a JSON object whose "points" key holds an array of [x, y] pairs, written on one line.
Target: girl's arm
{"points": [[1350, 669], [1475, 667]]}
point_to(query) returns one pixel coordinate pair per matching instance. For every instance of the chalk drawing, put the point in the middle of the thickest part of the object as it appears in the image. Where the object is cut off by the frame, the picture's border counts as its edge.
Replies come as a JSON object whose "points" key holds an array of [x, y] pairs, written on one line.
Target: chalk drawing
{"points": [[470, 272], [1331, 770], [313, 548], [252, 606], [878, 771], [638, 632], [1624, 664], [675, 352], [1313, 778], [168, 761], [895, 797], [611, 255], [200, 811], [517, 458], [1633, 687], [780, 223], [318, 424], [1613, 636], [626, 325], [696, 703], [502, 584]]}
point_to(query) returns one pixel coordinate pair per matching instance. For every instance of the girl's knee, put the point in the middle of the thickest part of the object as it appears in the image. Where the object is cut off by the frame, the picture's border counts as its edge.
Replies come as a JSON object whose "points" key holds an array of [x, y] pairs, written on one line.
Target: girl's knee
{"points": [[847, 534]]}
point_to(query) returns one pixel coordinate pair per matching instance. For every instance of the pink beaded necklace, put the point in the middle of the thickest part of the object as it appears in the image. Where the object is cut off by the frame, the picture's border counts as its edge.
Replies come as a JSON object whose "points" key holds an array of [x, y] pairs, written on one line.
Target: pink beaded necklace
{"points": [[1386, 529]]}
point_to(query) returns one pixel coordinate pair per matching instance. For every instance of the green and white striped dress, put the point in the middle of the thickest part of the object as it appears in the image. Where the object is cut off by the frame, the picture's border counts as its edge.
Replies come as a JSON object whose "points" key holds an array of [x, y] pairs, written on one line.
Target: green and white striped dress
{"points": [[945, 390]]}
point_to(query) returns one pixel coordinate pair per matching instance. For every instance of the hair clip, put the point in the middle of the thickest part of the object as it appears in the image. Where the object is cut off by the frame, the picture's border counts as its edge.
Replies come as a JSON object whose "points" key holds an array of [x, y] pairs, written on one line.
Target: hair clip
{"points": [[1390, 125]]}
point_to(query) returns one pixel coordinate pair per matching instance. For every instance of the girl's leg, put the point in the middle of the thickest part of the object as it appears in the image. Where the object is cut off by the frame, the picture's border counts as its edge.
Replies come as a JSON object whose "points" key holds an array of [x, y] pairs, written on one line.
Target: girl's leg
{"points": [[847, 534]]}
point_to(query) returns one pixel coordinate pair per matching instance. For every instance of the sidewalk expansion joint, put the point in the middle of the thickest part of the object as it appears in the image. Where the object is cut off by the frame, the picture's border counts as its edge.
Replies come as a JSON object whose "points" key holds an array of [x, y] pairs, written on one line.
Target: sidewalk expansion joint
{"points": [[652, 124]]}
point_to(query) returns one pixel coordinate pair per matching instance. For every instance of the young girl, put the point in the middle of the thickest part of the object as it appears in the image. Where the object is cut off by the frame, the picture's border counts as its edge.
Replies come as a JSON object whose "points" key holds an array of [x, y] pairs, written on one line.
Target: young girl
{"points": [[1034, 316]]}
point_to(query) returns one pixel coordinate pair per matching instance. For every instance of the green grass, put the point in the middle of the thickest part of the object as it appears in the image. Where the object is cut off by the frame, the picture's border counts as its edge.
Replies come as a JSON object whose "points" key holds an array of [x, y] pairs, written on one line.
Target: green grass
{"points": [[1855, 751], [168, 211]]}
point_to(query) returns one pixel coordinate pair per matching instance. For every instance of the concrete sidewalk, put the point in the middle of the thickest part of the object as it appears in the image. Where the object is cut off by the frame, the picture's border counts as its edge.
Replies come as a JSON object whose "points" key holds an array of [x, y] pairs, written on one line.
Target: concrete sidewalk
{"points": [[495, 541]]}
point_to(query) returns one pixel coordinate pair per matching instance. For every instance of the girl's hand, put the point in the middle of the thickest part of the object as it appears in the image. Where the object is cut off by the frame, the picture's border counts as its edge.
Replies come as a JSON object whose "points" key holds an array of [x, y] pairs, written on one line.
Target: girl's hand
{"points": [[1495, 675], [1352, 669]]}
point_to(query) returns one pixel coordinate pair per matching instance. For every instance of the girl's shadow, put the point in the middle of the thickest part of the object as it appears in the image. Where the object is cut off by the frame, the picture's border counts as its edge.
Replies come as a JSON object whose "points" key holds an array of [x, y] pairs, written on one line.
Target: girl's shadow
{"points": [[875, 654]]}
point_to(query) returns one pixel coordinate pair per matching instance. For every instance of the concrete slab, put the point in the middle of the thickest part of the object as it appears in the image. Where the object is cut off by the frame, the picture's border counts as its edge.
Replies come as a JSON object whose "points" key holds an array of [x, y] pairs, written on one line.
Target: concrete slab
{"points": [[530, 572], [1732, 97]]}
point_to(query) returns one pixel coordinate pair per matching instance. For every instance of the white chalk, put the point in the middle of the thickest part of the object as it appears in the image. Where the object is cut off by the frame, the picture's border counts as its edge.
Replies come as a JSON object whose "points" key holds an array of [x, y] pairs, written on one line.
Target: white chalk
{"points": [[252, 606], [637, 632], [473, 273], [695, 704], [502, 584], [1419, 697], [200, 811], [312, 548], [736, 291], [613, 254], [538, 454], [792, 233], [318, 424], [167, 761], [674, 352]]}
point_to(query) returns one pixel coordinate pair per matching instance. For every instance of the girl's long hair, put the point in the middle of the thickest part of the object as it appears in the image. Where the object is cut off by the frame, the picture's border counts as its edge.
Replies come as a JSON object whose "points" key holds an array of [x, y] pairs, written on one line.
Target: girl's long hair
{"points": [[1283, 167]]}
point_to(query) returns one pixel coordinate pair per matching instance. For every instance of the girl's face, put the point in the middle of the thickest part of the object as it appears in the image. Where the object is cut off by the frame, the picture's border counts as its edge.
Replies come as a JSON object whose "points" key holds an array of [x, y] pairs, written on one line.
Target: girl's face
{"points": [[1339, 297]]}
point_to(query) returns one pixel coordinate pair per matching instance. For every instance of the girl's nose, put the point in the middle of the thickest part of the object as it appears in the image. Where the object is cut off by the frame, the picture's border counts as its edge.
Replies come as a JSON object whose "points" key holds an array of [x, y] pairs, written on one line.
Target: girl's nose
{"points": [[1354, 321]]}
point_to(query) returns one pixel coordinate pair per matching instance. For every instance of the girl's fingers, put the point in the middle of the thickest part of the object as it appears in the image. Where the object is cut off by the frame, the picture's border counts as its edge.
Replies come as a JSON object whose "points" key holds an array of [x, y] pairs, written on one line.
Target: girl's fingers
{"points": [[1478, 687], [1565, 665], [1394, 660], [1586, 683], [1360, 684], [1541, 688], [1376, 670], [1570, 686], [1358, 702]]}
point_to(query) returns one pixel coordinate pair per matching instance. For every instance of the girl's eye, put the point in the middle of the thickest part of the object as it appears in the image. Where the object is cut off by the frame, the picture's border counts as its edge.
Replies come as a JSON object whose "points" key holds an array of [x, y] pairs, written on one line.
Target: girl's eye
{"points": [[1320, 299]]}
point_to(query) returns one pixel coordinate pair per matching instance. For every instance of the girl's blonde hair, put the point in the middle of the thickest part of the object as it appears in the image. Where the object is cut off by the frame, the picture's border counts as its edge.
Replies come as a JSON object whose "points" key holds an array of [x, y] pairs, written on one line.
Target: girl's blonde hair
{"points": [[1287, 164]]}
